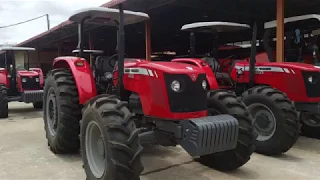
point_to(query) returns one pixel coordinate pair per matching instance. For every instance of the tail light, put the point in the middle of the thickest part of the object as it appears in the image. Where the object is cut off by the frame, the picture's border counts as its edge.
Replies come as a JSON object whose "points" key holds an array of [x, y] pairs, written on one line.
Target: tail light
{"points": [[79, 63]]}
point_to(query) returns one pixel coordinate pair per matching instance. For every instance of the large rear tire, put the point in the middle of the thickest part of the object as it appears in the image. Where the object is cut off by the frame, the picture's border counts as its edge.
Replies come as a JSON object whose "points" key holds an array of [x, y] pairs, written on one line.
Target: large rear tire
{"points": [[275, 119], [223, 102], [110, 140], [4, 110], [62, 112]]}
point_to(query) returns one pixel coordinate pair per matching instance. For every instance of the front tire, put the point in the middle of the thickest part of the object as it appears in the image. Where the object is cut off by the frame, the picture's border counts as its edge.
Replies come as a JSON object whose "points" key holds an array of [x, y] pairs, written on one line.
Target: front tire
{"points": [[109, 140], [276, 119], [223, 102], [62, 112], [38, 105], [4, 110], [310, 124]]}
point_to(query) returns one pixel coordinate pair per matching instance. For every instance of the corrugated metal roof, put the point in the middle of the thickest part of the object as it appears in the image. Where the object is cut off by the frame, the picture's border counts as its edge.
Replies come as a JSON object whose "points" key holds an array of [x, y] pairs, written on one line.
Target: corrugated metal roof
{"points": [[66, 23], [237, 11]]}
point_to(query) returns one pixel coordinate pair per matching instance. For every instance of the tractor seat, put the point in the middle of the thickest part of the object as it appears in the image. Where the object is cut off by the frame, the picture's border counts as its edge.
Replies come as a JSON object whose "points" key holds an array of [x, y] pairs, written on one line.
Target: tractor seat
{"points": [[223, 75], [102, 65], [213, 63]]}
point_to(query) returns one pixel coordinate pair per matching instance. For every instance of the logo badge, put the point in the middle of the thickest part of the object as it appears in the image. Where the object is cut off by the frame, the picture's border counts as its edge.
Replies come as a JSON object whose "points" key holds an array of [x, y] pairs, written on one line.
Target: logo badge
{"points": [[194, 77]]}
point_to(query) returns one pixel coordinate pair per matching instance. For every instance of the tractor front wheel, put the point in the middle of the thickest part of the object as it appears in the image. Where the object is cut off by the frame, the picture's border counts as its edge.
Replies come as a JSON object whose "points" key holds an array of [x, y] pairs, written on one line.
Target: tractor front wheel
{"points": [[62, 112], [110, 140], [310, 124], [38, 105], [223, 102], [275, 119], [3, 102]]}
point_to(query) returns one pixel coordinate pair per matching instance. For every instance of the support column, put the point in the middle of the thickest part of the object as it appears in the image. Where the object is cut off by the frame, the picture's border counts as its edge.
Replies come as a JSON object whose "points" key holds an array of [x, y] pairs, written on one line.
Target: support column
{"points": [[280, 31], [148, 39]]}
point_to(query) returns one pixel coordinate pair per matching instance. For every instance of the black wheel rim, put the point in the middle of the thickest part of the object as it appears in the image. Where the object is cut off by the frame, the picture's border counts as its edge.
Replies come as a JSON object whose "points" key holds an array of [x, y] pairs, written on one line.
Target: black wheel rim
{"points": [[95, 149], [51, 112], [264, 121]]}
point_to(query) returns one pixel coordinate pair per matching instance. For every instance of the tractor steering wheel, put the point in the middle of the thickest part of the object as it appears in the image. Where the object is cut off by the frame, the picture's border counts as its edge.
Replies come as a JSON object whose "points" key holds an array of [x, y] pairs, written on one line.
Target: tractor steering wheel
{"points": [[225, 65], [113, 59]]}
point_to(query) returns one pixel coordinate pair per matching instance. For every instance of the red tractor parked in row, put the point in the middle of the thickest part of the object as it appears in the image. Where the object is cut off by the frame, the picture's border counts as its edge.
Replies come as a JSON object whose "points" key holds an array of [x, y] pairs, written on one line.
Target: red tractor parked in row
{"points": [[139, 102], [302, 45], [19, 83], [266, 88]]}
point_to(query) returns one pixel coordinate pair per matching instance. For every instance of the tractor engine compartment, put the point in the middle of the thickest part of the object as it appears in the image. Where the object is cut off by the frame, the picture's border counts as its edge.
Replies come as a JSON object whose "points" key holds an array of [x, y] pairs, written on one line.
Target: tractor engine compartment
{"points": [[184, 86]]}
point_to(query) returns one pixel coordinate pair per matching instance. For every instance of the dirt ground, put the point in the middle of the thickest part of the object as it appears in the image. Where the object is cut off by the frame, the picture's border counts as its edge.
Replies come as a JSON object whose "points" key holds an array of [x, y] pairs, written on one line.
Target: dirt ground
{"points": [[24, 155]]}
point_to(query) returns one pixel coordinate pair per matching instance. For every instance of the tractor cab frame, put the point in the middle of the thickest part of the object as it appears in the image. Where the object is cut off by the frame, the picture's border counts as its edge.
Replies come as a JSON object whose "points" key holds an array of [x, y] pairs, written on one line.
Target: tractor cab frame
{"points": [[19, 84], [301, 37], [211, 58], [153, 103]]}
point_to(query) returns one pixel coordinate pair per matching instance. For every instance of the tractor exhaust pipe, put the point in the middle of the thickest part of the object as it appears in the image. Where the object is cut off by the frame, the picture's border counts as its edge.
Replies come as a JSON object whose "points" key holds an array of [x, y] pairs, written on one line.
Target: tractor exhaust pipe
{"points": [[192, 45], [121, 39], [80, 38], [253, 54]]}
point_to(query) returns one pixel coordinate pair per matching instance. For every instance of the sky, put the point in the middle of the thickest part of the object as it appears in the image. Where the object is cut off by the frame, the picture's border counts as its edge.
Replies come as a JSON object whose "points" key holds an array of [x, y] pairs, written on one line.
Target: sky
{"points": [[15, 11]]}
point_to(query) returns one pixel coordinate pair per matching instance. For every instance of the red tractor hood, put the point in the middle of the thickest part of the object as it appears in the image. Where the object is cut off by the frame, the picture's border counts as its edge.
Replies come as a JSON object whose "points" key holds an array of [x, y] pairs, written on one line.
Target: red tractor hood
{"points": [[166, 67], [290, 65], [302, 66], [27, 73]]}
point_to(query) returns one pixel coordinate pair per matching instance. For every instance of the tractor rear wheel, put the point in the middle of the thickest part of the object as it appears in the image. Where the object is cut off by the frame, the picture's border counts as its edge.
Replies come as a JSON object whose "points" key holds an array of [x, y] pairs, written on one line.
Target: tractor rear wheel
{"points": [[3, 102], [38, 105], [62, 112], [110, 140], [310, 124], [223, 102], [275, 119]]}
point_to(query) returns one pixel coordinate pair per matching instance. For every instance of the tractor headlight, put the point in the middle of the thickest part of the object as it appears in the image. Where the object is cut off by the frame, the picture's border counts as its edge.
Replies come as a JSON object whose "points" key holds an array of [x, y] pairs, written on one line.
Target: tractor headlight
{"points": [[204, 84], [175, 86], [37, 80], [24, 80], [312, 80]]}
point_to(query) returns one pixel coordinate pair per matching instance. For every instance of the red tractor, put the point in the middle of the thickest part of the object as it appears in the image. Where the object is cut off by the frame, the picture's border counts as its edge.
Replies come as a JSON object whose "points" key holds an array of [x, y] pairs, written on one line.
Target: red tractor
{"points": [[302, 46], [17, 82], [142, 102], [266, 88]]}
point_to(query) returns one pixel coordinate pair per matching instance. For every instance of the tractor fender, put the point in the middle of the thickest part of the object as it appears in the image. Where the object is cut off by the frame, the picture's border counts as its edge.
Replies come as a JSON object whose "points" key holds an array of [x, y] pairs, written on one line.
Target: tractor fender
{"points": [[4, 77], [82, 75]]}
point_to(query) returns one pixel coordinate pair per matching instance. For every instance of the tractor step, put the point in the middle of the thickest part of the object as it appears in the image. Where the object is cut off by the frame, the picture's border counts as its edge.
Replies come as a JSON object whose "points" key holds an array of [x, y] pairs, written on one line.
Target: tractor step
{"points": [[32, 96], [211, 134]]}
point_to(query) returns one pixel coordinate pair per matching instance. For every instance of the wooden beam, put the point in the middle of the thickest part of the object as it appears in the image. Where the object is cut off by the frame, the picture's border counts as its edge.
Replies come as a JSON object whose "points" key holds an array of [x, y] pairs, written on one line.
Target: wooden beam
{"points": [[280, 31], [148, 39]]}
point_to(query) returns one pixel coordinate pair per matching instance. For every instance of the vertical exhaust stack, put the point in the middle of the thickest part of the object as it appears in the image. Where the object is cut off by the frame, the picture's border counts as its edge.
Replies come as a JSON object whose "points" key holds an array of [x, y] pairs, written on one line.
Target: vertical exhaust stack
{"points": [[121, 40], [192, 45], [253, 54]]}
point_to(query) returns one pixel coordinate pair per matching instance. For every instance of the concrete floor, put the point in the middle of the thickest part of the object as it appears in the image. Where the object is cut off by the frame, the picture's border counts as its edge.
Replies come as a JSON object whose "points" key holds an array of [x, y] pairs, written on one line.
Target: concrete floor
{"points": [[24, 155]]}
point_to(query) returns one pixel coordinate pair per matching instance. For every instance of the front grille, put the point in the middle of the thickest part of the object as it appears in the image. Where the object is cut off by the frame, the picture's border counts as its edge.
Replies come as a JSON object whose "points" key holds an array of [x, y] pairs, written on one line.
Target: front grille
{"points": [[192, 96], [30, 83], [312, 89]]}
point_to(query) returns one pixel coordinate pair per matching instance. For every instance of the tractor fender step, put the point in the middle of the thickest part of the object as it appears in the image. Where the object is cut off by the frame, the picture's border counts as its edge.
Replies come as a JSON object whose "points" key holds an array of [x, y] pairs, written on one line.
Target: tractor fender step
{"points": [[211, 134]]}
